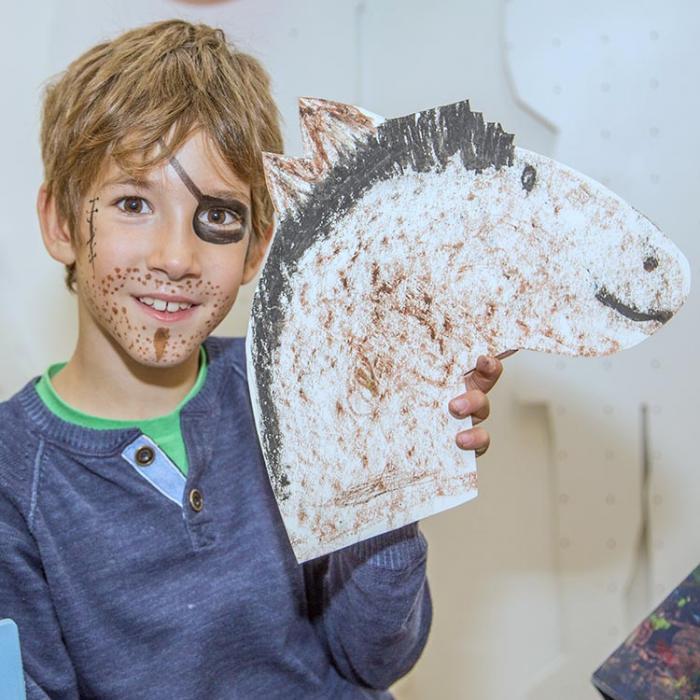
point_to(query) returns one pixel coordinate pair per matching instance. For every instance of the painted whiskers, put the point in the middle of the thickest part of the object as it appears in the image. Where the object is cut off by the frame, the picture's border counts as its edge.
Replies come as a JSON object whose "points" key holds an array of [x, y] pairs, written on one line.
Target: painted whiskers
{"points": [[405, 248]]}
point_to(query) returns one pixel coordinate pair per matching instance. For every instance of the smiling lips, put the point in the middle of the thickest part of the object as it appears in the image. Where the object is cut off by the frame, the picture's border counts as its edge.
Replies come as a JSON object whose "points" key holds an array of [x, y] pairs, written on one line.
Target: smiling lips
{"points": [[171, 309]]}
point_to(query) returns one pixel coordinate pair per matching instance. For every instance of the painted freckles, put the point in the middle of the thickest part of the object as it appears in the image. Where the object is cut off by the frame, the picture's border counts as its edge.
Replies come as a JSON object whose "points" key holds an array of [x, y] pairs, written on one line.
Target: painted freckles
{"points": [[166, 345]]}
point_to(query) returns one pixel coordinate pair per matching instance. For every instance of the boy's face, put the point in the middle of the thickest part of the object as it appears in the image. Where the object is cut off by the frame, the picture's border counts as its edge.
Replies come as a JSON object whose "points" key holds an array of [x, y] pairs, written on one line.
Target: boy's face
{"points": [[160, 261]]}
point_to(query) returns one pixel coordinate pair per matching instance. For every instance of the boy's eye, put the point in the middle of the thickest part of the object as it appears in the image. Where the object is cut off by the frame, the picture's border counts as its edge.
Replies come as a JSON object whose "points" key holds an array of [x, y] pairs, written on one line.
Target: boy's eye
{"points": [[218, 217], [221, 221], [134, 205]]}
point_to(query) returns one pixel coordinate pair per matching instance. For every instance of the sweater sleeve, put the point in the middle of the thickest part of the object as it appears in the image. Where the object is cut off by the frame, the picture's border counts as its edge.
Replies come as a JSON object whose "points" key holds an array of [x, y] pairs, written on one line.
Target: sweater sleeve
{"points": [[25, 597], [372, 606]]}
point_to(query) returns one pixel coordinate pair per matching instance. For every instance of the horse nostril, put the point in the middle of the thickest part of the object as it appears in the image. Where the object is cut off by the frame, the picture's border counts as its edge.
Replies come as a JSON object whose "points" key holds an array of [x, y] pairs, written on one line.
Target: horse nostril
{"points": [[651, 264]]}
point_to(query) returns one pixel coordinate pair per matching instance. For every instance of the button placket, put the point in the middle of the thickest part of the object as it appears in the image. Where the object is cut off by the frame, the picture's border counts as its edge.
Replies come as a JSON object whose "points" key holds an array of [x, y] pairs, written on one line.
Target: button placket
{"points": [[155, 467], [196, 431]]}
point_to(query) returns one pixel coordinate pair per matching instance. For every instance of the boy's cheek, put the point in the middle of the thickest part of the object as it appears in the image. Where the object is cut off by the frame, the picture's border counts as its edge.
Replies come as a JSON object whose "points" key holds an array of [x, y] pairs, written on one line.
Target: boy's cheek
{"points": [[107, 281], [146, 340]]}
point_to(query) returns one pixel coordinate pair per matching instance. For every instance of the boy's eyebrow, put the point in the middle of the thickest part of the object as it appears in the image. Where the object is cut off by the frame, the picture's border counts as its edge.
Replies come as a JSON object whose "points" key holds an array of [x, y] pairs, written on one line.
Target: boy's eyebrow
{"points": [[228, 195], [223, 194], [126, 180]]}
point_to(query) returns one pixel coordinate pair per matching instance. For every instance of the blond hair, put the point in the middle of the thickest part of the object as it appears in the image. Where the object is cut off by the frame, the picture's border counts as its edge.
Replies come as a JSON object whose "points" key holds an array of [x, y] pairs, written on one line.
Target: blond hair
{"points": [[149, 85]]}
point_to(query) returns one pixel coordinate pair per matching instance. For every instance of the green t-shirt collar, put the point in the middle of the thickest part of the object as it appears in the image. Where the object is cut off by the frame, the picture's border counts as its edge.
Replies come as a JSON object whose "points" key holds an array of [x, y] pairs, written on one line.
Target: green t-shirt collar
{"points": [[70, 414]]}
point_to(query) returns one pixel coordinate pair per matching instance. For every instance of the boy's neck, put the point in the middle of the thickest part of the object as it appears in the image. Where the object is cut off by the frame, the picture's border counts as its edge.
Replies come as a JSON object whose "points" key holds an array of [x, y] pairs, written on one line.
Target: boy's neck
{"points": [[112, 385]]}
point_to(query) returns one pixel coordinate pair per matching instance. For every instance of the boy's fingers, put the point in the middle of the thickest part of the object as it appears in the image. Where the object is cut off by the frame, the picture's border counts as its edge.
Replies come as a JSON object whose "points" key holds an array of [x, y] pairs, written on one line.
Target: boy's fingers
{"points": [[485, 374], [476, 439], [472, 403]]}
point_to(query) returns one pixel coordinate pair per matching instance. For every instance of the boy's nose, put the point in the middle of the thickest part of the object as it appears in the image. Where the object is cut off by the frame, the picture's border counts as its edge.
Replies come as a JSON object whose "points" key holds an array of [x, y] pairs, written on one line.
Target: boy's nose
{"points": [[174, 251]]}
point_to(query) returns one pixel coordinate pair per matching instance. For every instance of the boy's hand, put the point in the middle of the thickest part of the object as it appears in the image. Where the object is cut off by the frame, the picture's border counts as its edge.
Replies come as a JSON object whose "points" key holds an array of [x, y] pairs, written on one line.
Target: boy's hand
{"points": [[475, 403]]}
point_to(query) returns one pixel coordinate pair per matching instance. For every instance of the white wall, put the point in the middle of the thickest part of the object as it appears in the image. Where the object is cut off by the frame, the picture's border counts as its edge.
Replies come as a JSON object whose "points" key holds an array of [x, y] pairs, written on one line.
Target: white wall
{"points": [[540, 578]]}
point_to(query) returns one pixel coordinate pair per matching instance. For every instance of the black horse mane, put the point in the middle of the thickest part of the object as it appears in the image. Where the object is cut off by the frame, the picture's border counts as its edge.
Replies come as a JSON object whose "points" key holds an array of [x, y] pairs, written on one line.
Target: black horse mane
{"points": [[421, 142]]}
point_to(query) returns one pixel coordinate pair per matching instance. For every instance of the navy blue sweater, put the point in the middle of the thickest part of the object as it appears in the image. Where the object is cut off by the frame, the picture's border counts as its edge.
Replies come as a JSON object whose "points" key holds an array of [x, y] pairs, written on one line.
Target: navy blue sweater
{"points": [[128, 581]]}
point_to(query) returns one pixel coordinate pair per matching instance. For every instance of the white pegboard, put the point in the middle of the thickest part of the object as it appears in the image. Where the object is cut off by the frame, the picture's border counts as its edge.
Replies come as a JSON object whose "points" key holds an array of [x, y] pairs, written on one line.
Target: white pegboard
{"points": [[21, 316], [614, 80]]}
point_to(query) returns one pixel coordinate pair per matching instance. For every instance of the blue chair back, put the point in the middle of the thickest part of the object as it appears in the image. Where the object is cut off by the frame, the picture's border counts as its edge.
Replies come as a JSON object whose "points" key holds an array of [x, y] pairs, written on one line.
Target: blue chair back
{"points": [[11, 675]]}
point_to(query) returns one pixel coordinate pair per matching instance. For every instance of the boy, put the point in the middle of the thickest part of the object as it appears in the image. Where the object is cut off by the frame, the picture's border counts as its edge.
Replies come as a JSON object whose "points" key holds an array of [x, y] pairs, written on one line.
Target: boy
{"points": [[142, 554]]}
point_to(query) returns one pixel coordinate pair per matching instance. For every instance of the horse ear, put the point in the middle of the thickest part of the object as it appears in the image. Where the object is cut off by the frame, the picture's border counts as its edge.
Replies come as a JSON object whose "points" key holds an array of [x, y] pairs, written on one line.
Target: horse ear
{"points": [[289, 181], [329, 129]]}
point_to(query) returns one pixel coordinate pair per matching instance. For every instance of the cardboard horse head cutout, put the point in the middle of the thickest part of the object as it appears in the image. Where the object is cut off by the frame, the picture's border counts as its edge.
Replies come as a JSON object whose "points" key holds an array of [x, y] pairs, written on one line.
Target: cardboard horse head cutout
{"points": [[405, 248]]}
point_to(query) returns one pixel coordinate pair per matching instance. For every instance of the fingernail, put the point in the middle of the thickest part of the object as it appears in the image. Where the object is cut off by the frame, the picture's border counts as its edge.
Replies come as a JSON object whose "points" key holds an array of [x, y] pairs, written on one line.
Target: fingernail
{"points": [[464, 439], [460, 406]]}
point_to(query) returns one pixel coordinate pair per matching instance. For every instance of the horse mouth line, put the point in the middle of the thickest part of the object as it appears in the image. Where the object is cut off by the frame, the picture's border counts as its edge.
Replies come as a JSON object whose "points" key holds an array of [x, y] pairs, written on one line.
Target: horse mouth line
{"points": [[608, 299]]}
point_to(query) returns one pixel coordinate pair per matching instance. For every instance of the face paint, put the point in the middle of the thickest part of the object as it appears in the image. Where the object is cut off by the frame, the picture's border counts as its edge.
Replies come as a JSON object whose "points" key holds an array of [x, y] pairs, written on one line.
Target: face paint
{"points": [[110, 295], [216, 220], [160, 340], [91, 224], [131, 291]]}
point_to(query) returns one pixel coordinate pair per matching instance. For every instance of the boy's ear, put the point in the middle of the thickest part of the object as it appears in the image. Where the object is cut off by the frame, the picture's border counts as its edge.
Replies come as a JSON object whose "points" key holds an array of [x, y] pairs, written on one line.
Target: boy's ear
{"points": [[54, 231], [256, 254]]}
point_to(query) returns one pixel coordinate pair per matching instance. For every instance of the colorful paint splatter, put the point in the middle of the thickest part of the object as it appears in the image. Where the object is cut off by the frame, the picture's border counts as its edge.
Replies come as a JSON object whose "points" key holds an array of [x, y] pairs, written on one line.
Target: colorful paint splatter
{"points": [[660, 660]]}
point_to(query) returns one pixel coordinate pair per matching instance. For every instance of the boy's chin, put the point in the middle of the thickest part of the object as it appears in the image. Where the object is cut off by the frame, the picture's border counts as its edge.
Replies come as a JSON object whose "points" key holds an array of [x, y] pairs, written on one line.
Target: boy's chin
{"points": [[160, 355]]}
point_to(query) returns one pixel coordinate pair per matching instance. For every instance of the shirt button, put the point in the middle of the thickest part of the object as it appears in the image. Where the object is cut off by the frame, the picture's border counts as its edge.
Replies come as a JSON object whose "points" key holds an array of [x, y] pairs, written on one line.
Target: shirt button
{"points": [[196, 500], [144, 456]]}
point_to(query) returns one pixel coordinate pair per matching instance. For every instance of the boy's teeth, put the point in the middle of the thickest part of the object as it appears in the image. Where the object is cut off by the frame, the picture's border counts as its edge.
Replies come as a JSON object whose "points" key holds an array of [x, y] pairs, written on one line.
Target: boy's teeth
{"points": [[162, 305]]}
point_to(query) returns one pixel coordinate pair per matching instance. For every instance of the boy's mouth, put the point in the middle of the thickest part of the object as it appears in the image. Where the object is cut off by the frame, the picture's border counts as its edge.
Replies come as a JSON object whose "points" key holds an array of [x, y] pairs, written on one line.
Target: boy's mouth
{"points": [[172, 309]]}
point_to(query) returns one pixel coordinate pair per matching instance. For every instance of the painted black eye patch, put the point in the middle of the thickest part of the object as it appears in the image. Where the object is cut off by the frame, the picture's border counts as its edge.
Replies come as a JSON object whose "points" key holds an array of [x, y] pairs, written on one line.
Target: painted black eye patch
{"points": [[205, 223]]}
